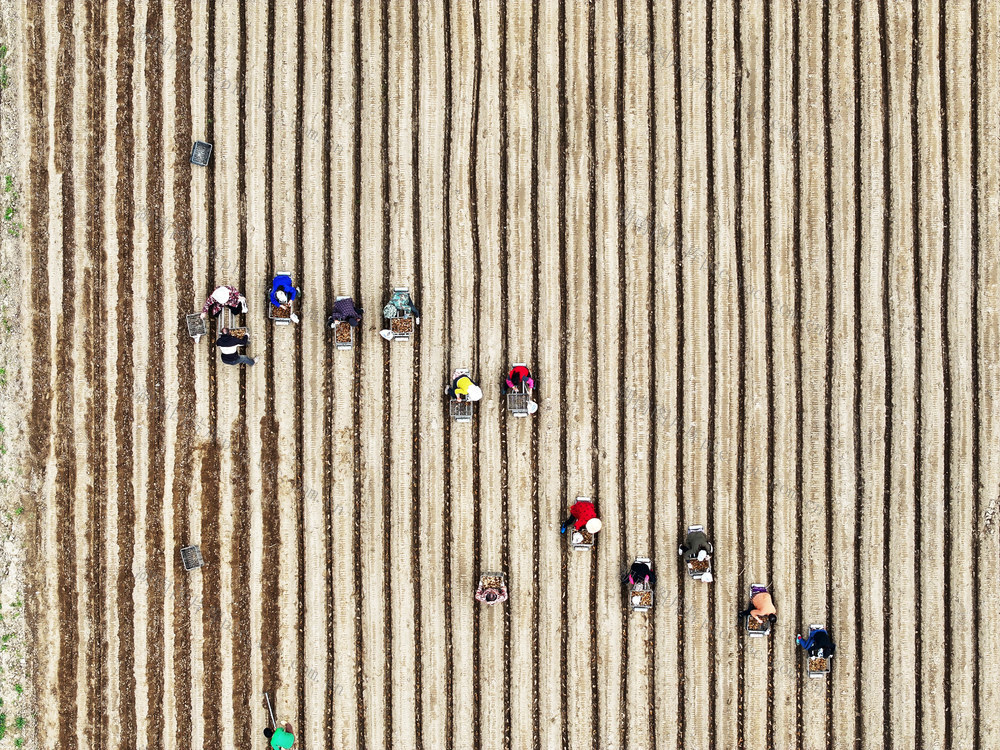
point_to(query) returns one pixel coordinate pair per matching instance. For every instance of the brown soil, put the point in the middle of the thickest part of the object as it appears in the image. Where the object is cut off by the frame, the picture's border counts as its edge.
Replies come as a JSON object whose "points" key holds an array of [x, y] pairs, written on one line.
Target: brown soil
{"points": [[780, 220]]}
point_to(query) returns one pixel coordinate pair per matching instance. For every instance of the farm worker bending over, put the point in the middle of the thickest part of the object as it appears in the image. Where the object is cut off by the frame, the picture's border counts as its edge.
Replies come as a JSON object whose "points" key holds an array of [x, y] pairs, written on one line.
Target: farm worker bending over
{"points": [[489, 595], [819, 643], [518, 375], [283, 293], [463, 389], [344, 309], [640, 573], [582, 515], [224, 296], [696, 547], [281, 737], [229, 349], [761, 608]]}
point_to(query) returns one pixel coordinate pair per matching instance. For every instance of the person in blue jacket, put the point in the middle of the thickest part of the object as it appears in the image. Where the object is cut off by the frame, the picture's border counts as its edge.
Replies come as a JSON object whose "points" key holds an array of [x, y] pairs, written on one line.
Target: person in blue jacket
{"points": [[283, 293]]}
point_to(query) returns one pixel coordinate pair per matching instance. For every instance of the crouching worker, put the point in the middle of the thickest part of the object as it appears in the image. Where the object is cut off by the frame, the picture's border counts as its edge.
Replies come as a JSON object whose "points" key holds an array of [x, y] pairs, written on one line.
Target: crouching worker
{"points": [[281, 737], [224, 296], [518, 375], [284, 293], [463, 388], [696, 547], [640, 573], [229, 349], [344, 310], [819, 643], [583, 516], [495, 593], [761, 608]]}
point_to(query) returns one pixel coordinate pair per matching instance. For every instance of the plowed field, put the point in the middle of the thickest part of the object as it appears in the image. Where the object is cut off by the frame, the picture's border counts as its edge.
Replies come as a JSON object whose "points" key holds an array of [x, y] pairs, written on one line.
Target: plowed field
{"points": [[751, 251]]}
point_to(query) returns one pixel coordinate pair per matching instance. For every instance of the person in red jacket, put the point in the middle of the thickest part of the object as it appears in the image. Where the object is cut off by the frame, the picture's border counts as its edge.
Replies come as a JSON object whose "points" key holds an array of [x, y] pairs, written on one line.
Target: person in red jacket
{"points": [[582, 515], [517, 375]]}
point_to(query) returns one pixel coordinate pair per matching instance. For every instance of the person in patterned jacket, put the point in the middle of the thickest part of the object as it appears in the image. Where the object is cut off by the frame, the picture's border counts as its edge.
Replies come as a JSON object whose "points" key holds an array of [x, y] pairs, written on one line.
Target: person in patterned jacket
{"points": [[224, 296]]}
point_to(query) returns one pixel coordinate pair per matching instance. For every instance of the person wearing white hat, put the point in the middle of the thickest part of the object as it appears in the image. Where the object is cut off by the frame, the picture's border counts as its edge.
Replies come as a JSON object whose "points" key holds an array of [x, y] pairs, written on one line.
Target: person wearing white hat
{"points": [[582, 516], [224, 296]]}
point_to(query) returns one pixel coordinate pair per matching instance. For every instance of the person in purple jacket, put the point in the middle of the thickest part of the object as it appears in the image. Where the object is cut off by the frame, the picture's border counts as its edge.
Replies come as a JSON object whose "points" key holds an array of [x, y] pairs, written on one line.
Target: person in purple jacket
{"points": [[344, 309]]}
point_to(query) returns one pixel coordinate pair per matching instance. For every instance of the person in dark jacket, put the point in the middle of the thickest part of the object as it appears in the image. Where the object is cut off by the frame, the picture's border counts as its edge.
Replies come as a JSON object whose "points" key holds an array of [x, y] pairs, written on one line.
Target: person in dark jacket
{"points": [[344, 309], [640, 572], [694, 545], [229, 349], [819, 643]]}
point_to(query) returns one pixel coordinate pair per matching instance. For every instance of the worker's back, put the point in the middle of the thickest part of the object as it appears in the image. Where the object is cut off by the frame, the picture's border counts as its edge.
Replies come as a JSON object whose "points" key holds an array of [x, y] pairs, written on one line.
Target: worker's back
{"points": [[763, 605], [281, 739], [696, 541]]}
